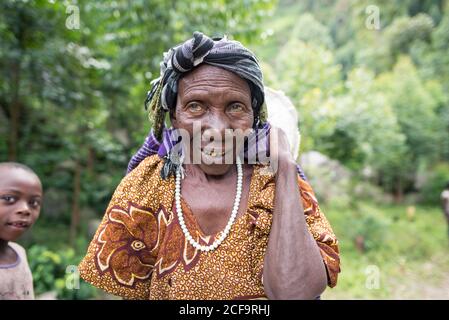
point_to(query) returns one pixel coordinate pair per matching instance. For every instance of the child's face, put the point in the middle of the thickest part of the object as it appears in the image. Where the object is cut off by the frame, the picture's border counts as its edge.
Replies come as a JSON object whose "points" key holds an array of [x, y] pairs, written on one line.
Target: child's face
{"points": [[20, 201]]}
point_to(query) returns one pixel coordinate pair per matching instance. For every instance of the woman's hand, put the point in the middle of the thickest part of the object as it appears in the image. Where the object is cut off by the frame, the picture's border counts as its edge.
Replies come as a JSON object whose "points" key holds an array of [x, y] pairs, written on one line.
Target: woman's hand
{"points": [[279, 150]]}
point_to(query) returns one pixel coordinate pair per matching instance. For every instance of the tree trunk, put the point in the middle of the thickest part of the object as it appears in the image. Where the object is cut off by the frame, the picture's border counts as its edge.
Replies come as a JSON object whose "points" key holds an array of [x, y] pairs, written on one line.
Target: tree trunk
{"points": [[399, 191], [75, 204], [91, 161], [15, 112], [360, 243]]}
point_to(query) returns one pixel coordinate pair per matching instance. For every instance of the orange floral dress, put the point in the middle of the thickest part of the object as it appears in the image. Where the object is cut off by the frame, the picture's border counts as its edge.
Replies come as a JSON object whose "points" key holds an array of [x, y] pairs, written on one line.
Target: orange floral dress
{"points": [[140, 252]]}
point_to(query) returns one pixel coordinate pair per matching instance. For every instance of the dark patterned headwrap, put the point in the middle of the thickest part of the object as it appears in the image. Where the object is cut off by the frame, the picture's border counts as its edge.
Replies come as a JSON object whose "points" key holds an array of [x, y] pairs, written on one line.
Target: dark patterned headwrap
{"points": [[227, 54]]}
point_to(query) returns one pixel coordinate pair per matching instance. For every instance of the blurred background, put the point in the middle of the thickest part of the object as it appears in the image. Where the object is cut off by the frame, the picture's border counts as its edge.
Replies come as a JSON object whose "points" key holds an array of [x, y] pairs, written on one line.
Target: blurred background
{"points": [[369, 79]]}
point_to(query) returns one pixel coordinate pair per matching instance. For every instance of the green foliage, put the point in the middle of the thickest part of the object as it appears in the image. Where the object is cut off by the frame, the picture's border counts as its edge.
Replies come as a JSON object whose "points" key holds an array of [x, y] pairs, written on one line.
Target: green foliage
{"points": [[403, 32], [309, 75], [409, 251], [416, 110], [371, 226], [306, 67], [56, 271], [309, 30], [436, 180], [372, 99]]}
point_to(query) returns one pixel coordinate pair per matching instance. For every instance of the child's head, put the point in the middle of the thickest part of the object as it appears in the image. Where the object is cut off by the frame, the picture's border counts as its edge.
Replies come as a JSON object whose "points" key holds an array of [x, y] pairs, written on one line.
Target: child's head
{"points": [[20, 199]]}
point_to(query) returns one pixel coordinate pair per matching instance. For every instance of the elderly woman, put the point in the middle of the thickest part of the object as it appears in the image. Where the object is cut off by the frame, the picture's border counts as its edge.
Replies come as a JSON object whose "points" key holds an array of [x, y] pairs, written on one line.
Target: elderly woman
{"points": [[212, 229]]}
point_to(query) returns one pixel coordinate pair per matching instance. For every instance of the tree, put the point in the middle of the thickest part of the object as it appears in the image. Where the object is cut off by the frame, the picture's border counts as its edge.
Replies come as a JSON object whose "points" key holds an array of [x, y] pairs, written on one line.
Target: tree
{"points": [[416, 110]]}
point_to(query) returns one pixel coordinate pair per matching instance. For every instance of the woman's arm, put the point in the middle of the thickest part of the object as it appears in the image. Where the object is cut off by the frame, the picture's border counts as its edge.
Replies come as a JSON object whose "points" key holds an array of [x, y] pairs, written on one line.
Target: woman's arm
{"points": [[293, 266]]}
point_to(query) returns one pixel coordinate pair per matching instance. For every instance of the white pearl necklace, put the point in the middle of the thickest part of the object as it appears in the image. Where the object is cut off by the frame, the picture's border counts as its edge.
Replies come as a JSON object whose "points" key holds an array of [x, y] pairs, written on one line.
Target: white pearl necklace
{"points": [[226, 230]]}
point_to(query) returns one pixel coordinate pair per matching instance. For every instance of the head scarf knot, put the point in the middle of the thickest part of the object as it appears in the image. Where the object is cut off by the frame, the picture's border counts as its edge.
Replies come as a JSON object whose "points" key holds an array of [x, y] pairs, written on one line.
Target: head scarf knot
{"points": [[191, 53]]}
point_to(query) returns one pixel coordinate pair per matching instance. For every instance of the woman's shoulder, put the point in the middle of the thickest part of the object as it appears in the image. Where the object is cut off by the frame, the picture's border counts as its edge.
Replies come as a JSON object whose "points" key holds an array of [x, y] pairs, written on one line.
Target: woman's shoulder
{"points": [[148, 165], [148, 170], [144, 185]]}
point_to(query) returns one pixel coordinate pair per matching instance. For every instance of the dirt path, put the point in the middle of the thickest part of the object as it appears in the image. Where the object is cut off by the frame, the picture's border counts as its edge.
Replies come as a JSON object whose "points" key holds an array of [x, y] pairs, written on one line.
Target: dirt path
{"points": [[432, 283]]}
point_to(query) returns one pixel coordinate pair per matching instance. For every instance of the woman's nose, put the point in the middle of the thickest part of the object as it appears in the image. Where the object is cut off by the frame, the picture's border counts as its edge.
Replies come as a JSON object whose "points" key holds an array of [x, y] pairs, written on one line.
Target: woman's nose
{"points": [[218, 123]]}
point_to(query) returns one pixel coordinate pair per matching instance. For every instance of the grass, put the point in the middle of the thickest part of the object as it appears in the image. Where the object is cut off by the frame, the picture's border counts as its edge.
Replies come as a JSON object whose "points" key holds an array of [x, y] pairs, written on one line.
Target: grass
{"points": [[408, 252]]}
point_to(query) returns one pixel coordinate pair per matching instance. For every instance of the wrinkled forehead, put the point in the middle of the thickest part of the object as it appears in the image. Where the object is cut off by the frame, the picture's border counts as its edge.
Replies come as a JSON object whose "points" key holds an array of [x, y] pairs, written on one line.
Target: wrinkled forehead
{"points": [[212, 76]]}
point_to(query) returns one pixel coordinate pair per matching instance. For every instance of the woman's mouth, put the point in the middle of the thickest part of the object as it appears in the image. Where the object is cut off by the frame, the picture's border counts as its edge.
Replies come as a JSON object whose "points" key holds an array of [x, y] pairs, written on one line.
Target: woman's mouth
{"points": [[213, 152]]}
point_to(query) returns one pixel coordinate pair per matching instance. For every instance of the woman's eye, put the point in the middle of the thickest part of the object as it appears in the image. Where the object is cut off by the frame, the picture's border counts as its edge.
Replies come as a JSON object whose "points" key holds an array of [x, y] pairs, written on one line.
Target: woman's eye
{"points": [[195, 107], [236, 107]]}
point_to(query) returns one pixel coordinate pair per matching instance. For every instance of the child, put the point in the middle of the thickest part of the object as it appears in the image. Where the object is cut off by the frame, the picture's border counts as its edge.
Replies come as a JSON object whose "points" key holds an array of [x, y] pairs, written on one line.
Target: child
{"points": [[20, 205]]}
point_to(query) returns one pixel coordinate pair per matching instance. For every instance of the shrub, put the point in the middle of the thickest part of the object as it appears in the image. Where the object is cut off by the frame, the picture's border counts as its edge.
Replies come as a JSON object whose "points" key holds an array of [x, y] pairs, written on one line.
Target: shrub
{"points": [[435, 183], [370, 227], [52, 271]]}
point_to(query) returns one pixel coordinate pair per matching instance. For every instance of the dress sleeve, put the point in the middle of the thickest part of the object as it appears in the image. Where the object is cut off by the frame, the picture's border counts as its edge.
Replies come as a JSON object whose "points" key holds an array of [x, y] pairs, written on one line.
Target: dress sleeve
{"points": [[121, 256], [321, 231]]}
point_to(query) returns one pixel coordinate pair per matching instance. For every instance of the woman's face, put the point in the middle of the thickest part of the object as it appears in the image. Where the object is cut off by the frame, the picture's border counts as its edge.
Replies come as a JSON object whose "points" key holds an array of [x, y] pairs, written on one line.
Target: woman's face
{"points": [[213, 100]]}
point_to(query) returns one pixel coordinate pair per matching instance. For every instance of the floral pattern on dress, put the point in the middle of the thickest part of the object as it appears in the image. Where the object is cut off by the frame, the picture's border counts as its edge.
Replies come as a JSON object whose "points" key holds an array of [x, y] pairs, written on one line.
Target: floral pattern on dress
{"points": [[128, 243]]}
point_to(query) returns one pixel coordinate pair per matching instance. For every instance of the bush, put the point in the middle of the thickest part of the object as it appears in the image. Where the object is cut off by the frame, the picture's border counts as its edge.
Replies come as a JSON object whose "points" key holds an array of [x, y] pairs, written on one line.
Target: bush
{"points": [[370, 226], [435, 183], [52, 271]]}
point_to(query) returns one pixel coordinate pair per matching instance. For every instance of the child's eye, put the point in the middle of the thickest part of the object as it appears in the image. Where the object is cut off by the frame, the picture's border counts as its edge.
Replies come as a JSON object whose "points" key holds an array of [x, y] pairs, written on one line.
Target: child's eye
{"points": [[35, 203], [8, 199]]}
